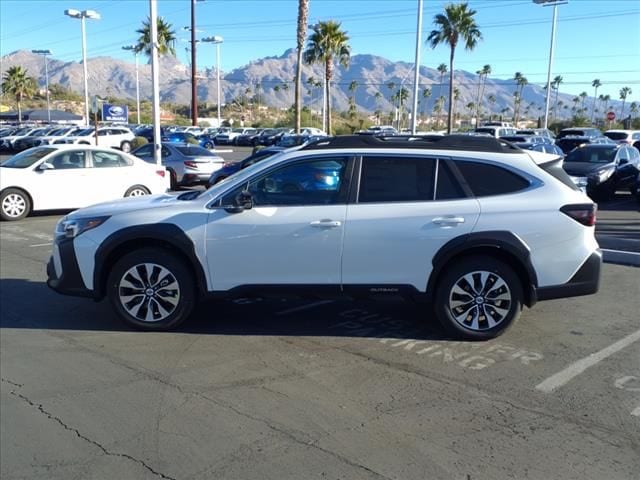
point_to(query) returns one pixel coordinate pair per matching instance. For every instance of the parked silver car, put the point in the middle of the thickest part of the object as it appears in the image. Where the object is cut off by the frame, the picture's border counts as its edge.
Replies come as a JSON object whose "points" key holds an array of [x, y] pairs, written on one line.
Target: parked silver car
{"points": [[187, 164]]}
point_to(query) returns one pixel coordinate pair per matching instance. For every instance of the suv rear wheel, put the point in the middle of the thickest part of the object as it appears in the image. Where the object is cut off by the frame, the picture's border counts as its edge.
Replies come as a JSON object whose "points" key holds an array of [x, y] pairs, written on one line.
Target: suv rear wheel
{"points": [[478, 298], [151, 289]]}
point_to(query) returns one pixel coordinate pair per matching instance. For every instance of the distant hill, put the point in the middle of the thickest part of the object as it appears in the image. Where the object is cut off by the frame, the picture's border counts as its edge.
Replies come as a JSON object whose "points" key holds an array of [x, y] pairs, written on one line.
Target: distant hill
{"points": [[110, 76]]}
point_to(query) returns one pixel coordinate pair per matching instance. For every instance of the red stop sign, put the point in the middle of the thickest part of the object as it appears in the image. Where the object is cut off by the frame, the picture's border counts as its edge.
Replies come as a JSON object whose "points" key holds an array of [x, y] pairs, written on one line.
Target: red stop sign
{"points": [[611, 116]]}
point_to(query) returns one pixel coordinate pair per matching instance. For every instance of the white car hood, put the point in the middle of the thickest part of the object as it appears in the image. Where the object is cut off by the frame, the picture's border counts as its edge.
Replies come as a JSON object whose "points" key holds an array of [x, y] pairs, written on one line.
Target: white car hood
{"points": [[130, 204]]}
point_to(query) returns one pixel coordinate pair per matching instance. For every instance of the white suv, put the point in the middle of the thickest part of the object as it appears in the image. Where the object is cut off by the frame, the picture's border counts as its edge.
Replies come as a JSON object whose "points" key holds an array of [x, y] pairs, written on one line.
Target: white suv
{"points": [[473, 226], [114, 137]]}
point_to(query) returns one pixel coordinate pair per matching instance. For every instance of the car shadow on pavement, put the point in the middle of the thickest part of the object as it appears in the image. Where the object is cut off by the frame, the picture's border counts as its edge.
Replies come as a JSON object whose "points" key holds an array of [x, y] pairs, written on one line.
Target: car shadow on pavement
{"points": [[32, 305]]}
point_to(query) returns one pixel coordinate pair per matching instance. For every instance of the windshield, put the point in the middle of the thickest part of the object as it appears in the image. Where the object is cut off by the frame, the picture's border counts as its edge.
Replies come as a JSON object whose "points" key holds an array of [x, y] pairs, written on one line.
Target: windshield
{"points": [[85, 132], [41, 133], [491, 131], [22, 131], [28, 157], [238, 130], [592, 155]]}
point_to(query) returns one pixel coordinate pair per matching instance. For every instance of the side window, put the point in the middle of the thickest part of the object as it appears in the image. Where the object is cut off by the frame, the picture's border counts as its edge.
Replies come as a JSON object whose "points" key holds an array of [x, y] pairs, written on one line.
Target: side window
{"points": [[103, 133], [396, 179], [107, 160], [69, 160], [448, 186], [165, 152], [485, 179], [145, 152], [310, 182]]}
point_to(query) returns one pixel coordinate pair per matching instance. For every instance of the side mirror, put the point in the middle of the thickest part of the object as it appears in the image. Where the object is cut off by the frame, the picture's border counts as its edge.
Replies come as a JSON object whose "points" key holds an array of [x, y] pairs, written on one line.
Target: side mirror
{"points": [[242, 202], [45, 166]]}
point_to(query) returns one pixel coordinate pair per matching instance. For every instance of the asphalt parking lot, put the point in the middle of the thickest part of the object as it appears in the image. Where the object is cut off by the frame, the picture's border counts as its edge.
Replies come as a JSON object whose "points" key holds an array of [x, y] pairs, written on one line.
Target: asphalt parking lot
{"points": [[266, 388]]}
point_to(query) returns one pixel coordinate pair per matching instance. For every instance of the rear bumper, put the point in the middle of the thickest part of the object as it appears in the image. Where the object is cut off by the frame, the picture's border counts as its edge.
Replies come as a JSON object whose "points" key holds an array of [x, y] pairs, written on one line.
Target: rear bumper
{"points": [[586, 281]]}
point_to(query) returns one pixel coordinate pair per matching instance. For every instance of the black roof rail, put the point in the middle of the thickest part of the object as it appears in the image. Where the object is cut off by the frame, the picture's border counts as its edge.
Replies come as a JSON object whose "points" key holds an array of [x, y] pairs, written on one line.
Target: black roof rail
{"points": [[431, 142]]}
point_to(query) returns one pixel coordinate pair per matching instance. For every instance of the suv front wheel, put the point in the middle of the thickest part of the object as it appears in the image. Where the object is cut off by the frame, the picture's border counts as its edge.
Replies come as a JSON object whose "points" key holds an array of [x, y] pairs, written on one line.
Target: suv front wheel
{"points": [[151, 289], [478, 298]]}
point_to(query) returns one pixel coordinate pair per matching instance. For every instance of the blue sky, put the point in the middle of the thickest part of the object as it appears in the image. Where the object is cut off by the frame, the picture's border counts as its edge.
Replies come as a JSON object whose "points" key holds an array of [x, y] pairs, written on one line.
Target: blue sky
{"points": [[595, 38]]}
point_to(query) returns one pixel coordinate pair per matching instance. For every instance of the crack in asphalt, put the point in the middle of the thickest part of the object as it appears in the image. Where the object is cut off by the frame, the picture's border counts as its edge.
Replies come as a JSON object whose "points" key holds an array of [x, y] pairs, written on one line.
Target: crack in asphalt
{"points": [[294, 438], [104, 450]]}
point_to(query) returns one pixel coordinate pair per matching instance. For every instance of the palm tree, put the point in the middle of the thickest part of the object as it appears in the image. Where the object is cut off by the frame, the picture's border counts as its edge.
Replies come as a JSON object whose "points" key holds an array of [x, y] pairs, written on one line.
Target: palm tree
{"points": [[521, 81], [484, 73], [492, 100], [301, 33], [583, 96], [166, 38], [595, 84], [326, 43], [555, 85], [352, 98], [378, 97], [426, 93], [16, 83], [401, 96], [633, 108], [457, 23], [624, 92], [442, 69], [606, 99]]}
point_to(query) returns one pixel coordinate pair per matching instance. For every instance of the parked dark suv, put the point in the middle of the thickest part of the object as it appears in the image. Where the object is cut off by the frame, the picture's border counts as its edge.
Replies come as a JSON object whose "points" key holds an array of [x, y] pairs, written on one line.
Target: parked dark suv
{"points": [[606, 167]]}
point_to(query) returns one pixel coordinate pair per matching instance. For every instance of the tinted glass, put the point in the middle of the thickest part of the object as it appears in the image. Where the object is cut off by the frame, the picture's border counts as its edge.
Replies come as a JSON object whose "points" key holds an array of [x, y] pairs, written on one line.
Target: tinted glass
{"points": [[396, 179], [448, 187], [313, 182], [69, 160], [617, 135], [146, 151], [592, 155], [107, 160], [195, 151], [485, 179], [27, 158], [568, 144]]}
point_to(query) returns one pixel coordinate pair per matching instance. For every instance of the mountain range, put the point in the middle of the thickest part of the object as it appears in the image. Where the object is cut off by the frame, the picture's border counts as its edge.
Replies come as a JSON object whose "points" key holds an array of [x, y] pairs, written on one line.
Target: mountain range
{"points": [[273, 79]]}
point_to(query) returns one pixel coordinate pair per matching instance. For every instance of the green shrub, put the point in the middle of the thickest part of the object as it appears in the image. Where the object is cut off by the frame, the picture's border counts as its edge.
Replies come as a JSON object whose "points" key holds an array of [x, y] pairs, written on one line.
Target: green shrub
{"points": [[138, 142], [192, 140]]}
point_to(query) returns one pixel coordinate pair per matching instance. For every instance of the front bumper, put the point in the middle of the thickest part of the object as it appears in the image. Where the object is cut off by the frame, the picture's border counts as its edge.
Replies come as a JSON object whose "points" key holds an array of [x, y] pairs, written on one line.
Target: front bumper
{"points": [[585, 281], [63, 273]]}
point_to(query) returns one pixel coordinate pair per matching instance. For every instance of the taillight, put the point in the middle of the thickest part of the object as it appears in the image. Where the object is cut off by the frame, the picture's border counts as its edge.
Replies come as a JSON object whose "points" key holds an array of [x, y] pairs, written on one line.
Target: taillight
{"points": [[160, 172], [584, 213], [191, 164]]}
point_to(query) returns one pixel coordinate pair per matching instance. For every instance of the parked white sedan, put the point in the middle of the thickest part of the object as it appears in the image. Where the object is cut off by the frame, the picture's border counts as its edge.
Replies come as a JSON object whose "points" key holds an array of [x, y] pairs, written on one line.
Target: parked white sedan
{"points": [[73, 176]]}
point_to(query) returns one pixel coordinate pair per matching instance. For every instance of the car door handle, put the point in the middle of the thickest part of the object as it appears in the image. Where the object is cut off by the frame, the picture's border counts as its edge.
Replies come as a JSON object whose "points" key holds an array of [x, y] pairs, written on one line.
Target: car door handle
{"points": [[325, 223], [448, 221]]}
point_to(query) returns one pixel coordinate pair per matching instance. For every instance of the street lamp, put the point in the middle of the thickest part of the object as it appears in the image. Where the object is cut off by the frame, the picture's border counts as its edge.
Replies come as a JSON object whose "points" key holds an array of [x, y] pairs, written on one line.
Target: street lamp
{"points": [[44, 54], [554, 4], [132, 48], [92, 14], [216, 40]]}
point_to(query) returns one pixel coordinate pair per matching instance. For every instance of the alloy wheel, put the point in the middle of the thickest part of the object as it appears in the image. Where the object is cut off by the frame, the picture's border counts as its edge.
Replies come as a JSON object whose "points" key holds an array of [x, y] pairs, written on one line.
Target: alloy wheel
{"points": [[149, 292], [480, 300]]}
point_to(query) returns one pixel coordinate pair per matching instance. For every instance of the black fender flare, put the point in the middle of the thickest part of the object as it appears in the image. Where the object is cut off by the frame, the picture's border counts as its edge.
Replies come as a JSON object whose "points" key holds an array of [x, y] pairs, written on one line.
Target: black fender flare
{"points": [[165, 235]]}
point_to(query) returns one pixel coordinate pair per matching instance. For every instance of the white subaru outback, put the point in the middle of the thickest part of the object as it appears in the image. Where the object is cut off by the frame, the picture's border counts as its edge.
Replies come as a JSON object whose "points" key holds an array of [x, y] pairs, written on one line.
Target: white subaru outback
{"points": [[473, 226]]}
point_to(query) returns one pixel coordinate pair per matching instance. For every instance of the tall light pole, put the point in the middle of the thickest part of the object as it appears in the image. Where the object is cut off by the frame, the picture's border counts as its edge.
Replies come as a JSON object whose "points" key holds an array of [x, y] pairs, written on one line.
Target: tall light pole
{"points": [[44, 54], [216, 40], [416, 76], [554, 4], [194, 80], [155, 81], [132, 48], [82, 15]]}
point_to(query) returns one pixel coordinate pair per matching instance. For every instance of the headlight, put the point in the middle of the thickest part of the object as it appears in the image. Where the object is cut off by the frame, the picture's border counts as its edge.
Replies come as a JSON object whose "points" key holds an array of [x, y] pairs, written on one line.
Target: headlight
{"points": [[73, 228], [602, 175]]}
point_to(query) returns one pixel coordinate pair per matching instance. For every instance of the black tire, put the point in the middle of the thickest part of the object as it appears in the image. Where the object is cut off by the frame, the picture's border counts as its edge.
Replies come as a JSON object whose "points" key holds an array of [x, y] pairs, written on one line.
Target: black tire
{"points": [[125, 147], [483, 315], [137, 191], [15, 204], [163, 309], [173, 180]]}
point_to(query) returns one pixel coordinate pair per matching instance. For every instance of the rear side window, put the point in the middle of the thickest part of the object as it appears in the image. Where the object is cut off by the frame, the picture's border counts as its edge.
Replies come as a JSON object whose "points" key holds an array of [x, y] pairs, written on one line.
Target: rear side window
{"points": [[484, 179], [616, 135], [396, 179], [448, 187]]}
